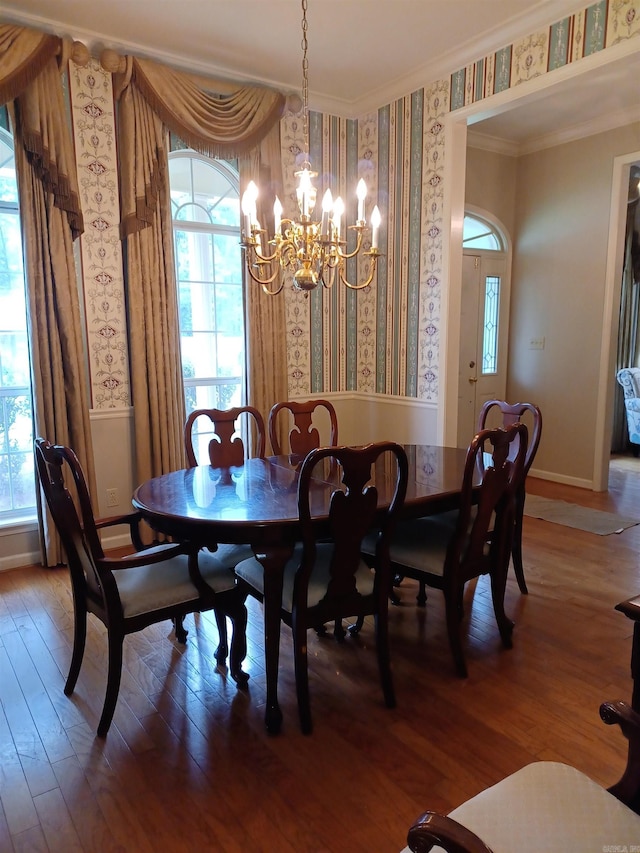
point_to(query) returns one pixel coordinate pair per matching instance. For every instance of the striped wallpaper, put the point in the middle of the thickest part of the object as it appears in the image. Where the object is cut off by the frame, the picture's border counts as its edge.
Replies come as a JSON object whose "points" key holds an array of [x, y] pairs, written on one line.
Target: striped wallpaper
{"points": [[385, 339]]}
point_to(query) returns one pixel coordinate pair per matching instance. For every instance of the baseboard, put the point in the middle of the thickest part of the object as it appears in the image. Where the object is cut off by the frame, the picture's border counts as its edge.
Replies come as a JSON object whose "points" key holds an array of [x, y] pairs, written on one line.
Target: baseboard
{"points": [[18, 561], [553, 477]]}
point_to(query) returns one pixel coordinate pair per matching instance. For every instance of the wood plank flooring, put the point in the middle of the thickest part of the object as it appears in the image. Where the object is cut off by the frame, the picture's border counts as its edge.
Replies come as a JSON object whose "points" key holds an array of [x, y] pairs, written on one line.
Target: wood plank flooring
{"points": [[188, 765]]}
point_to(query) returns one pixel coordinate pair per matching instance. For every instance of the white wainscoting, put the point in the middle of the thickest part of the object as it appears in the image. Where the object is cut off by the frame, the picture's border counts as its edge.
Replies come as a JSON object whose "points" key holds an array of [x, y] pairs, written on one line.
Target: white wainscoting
{"points": [[363, 418]]}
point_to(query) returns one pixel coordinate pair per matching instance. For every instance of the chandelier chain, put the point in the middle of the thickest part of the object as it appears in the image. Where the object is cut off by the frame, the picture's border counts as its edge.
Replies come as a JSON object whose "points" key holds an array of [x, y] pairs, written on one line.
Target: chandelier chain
{"points": [[305, 77]]}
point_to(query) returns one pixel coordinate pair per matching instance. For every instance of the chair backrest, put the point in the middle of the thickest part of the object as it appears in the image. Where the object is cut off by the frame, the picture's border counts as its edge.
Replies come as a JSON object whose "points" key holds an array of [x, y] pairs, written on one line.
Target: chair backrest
{"points": [[74, 519], [226, 447], [303, 437], [511, 413], [353, 512], [629, 378], [485, 522]]}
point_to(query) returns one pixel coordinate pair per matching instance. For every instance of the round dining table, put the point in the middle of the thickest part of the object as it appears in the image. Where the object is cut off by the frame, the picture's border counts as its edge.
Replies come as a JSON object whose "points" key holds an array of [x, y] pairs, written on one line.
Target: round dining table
{"points": [[257, 504]]}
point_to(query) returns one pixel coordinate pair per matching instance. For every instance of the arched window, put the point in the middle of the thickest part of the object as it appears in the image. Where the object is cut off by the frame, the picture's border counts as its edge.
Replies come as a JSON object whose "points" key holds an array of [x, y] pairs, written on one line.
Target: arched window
{"points": [[477, 233], [205, 204], [17, 483]]}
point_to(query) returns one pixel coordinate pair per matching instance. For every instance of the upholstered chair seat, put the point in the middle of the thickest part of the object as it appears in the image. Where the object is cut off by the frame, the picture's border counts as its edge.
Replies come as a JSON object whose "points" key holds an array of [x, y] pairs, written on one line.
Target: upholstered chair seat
{"points": [[252, 572], [546, 806]]}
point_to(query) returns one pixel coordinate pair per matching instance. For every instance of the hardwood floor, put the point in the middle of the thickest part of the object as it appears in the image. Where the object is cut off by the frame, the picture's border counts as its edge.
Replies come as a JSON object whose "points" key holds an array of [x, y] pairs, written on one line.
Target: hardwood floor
{"points": [[188, 765]]}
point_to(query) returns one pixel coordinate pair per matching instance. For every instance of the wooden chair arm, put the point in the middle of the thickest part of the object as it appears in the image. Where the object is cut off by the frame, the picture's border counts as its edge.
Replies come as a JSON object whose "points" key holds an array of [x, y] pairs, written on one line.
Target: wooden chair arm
{"points": [[132, 519], [433, 828], [627, 789], [132, 561]]}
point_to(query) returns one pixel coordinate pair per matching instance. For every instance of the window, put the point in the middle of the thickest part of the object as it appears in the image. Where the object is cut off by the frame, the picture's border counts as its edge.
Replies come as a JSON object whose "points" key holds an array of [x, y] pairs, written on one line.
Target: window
{"points": [[205, 204], [478, 234], [17, 482]]}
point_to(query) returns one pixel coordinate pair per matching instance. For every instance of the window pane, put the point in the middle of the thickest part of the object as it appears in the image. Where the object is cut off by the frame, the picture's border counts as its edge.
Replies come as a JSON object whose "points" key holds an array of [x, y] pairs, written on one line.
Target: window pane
{"points": [[228, 258], [490, 337], [478, 234], [208, 260], [14, 357], [17, 484]]}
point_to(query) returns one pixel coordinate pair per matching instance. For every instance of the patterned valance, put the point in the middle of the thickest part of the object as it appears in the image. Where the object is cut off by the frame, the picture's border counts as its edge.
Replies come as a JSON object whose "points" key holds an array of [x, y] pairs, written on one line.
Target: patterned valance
{"points": [[152, 96]]}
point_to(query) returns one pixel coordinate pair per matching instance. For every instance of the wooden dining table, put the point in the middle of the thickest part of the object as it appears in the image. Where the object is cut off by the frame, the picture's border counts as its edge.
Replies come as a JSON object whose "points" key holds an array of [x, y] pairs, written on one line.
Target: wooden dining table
{"points": [[257, 504]]}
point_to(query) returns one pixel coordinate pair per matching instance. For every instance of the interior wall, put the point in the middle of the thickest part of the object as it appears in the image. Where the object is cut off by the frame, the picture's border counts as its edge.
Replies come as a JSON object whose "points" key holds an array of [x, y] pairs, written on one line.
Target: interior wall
{"points": [[558, 290], [491, 184]]}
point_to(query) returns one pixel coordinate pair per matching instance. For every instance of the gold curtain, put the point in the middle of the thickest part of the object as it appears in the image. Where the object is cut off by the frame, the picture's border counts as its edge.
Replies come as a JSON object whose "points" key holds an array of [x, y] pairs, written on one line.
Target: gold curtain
{"points": [[154, 341], [51, 219], [224, 125], [267, 381]]}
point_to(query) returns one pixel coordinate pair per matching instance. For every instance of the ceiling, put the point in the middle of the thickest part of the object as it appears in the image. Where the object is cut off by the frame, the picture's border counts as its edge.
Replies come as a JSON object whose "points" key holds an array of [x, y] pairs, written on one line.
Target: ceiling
{"points": [[362, 53]]}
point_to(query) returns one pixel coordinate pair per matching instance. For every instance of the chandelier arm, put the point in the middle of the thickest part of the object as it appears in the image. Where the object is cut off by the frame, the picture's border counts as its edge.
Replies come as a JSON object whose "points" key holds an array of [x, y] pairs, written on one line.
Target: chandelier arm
{"points": [[374, 255], [346, 255], [265, 282]]}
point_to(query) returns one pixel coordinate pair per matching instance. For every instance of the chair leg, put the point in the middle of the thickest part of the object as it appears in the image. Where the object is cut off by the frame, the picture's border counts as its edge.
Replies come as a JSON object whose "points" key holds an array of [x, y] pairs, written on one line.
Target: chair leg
{"points": [[505, 625], [357, 626], [113, 682], [237, 612], [452, 611], [79, 640], [180, 631], [223, 642], [384, 658], [516, 551], [302, 675], [421, 597]]}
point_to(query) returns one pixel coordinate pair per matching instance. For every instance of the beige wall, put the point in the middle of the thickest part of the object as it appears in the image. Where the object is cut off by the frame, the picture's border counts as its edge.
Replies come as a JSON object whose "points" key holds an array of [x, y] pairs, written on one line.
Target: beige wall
{"points": [[491, 184], [562, 213]]}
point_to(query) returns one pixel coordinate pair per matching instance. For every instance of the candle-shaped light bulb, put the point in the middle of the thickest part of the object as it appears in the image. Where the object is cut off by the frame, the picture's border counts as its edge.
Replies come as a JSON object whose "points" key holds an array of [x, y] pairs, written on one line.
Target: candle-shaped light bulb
{"points": [[338, 210], [249, 197], [277, 214], [361, 192], [258, 238], [375, 225], [327, 207], [304, 191]]}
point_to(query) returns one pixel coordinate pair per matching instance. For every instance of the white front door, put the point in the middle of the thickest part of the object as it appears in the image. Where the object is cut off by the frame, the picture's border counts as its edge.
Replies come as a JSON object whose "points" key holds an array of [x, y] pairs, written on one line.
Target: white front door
{"points": [[484, 330]]}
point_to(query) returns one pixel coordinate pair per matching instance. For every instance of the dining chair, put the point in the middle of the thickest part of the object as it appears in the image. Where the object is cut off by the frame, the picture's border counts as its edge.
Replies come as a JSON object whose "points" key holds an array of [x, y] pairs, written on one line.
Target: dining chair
{"points": [[226, 448], [448, 549], [510, 413], [328, 580], [303, 435], [132, 592]]}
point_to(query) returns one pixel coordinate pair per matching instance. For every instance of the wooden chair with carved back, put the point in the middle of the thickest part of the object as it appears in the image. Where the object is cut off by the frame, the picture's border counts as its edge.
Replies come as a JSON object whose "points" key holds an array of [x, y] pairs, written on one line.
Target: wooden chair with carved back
{"points": [[303, 435], [328, 580], [226, 448], [506, 414], [132, 592], [448, 549]]}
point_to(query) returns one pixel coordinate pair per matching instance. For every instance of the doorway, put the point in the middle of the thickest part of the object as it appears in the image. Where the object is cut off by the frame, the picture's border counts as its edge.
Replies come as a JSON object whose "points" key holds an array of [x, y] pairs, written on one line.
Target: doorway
{"points": [[484, 320]]}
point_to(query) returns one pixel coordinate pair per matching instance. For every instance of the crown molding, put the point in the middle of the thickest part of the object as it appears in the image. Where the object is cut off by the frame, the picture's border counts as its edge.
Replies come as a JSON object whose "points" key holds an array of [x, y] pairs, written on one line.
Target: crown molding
{"points": [[509, 148], [540, 16]]}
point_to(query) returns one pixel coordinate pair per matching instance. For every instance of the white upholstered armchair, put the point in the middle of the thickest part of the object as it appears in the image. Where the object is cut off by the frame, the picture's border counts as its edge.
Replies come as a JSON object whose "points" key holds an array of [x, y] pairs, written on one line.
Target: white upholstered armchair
{"points": [[629, 378]]}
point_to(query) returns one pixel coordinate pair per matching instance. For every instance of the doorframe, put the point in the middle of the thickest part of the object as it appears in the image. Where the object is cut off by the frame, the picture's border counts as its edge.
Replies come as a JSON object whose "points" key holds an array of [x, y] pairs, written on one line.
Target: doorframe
{"points": [[613, 287], [456, 125]]}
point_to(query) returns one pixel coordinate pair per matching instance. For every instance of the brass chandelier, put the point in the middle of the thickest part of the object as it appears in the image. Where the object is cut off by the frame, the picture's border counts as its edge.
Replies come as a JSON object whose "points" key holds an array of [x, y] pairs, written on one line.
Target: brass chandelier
{"points": [[313, 250]]}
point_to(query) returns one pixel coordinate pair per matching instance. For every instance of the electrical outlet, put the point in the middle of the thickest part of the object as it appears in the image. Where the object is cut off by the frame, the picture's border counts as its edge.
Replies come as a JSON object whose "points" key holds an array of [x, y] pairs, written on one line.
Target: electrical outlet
{"points": [[112, 497], [536, 343]]}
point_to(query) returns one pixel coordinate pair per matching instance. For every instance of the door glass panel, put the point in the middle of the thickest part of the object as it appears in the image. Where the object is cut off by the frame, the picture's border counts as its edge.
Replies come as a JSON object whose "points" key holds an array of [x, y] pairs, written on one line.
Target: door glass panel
{"points": [[490, 330]]}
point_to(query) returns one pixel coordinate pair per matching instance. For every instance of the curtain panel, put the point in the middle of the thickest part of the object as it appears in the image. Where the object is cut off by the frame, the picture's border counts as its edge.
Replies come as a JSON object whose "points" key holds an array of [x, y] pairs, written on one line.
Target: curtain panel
{"points": [[50, 214], [230, 124]]}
